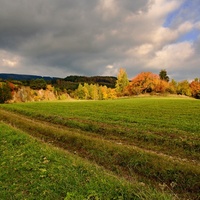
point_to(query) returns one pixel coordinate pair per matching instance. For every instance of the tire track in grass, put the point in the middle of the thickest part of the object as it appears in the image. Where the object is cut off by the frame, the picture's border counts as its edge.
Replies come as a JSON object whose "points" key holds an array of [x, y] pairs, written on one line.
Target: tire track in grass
{"points": [[111, 138], [181, 144], [48, 172], [123, 159], [115, 140]]}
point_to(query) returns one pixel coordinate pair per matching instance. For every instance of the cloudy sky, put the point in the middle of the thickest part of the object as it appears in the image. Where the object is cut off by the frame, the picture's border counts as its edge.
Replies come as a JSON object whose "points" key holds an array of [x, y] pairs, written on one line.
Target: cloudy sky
{"points": [[97, 37]]}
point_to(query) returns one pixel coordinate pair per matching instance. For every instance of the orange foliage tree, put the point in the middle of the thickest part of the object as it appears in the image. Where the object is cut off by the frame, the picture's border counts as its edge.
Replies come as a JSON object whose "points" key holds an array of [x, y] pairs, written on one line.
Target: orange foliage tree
{"points": [[147, 82], [12, 87], [195, 88]]}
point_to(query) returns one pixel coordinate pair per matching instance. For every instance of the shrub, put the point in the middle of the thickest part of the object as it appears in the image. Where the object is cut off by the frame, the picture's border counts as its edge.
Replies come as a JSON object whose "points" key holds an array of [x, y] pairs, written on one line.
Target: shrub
{"points": [[5, 93]]}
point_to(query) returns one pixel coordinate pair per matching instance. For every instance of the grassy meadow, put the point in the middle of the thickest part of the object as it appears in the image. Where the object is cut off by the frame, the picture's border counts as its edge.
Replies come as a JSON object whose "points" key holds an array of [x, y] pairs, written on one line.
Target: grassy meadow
{"points": [[137, 148]]}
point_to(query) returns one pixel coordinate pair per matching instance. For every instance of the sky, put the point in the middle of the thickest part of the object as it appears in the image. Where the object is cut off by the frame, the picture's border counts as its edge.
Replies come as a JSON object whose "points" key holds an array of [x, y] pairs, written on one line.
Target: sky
{"points": [[98, 37]]}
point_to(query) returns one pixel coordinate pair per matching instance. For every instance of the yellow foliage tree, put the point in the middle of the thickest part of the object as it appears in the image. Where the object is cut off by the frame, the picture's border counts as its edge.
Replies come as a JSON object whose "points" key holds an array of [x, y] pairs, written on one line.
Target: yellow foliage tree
{"points": [[122, 82]]}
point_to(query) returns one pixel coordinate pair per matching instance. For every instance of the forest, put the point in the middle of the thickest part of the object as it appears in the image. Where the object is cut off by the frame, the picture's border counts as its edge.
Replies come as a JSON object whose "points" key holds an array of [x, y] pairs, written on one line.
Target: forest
{"points": [[104, 87]]}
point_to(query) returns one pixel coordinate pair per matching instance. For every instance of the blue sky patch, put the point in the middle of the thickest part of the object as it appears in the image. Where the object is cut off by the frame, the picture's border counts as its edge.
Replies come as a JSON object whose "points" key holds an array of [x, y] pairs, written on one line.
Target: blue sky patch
{"points": [[190, 36], [170, 18]]}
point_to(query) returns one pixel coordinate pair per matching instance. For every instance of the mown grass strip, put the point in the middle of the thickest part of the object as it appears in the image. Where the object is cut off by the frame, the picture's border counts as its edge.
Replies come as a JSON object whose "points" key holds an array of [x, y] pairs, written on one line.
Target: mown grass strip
{"points": [[31, 170], [183, 177]]}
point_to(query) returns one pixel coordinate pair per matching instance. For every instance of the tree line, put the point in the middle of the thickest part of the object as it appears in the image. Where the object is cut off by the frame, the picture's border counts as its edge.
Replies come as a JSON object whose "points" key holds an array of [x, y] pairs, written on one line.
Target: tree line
{"points": [[148, 82], [94, 92], [102, 88], [143, 83]]}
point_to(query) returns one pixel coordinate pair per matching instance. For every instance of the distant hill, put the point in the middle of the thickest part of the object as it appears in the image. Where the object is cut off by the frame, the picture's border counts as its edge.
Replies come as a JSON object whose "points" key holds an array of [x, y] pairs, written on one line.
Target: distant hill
{"points": [[109, 81], [101, 80], [70, 83], [21, 77]]}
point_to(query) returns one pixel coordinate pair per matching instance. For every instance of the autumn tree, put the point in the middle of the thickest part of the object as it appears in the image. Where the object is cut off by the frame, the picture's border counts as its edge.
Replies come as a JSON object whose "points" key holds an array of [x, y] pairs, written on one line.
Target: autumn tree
{"points": [[163, 75], [183, 88], [147, 82], [122, 82], [103, 93], [160, 86], [111, 93], [195, 88], [173, 87], [142, 83], [94, 92], [82, 92]]}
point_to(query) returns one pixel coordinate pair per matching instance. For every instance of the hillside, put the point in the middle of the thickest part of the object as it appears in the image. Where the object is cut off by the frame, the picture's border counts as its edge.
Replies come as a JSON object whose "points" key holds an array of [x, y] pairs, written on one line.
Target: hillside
{"points": [[109, 81], [26, 88], [21, 77]]}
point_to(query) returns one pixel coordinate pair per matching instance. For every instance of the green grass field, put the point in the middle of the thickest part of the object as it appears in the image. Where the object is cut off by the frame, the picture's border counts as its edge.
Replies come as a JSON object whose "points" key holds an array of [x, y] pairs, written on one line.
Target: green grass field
{"points": [[149, 142], [31, 170]]}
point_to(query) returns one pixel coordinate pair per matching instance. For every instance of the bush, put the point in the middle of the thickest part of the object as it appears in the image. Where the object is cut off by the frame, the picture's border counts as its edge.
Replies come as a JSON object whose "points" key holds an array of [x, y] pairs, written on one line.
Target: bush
{"points": [[5, 93]]}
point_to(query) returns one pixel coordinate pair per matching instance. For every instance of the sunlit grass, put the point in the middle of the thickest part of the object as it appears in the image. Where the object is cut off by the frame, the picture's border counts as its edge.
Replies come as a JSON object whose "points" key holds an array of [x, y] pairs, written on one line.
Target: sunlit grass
{"points": [[155, 123], [31, 170], [164, 112], [154, 139]]}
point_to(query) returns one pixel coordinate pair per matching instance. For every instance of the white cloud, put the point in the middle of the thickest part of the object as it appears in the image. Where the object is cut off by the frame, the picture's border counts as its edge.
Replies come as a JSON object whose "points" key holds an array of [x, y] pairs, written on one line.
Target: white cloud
{"points": [[9, 60], [165, 35], [185, 27], [141, 50], [172, 56], [111, 70], [109, 67], [160, 8]]}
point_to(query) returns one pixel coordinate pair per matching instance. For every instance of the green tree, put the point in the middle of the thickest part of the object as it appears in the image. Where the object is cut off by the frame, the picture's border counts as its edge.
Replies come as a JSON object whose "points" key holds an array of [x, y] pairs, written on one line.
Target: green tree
{"points": [[79, 93], [38, 84], [122, 82], [163, 75], [5, 93]]}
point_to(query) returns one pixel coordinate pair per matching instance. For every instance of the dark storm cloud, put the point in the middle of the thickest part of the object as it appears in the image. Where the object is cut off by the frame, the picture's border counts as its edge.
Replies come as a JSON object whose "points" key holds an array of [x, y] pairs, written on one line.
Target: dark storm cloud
{"points": [[88, 37], [62, 33]]}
